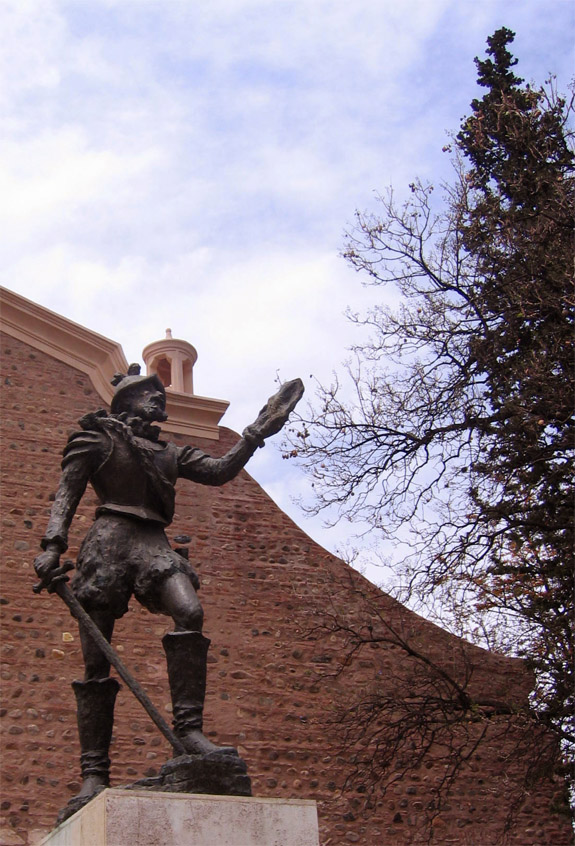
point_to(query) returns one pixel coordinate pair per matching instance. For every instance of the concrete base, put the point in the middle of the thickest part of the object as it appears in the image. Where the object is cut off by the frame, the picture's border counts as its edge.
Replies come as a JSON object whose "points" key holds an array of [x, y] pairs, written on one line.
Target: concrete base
{"points": [[143, 818]]}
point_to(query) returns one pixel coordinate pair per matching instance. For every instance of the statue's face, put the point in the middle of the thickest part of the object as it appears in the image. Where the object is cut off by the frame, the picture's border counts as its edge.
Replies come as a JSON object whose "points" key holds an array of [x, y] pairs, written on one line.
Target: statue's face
{"points": [[149, 403]]}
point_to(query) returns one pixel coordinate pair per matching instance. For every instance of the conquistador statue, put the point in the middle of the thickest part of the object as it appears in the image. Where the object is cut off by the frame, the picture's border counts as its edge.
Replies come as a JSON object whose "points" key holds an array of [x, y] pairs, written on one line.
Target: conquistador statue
{"points": [[126, 552]]}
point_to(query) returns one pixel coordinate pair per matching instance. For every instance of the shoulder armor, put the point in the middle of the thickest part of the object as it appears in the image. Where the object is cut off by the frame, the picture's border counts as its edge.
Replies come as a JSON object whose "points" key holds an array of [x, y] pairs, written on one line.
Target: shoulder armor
{"points": [[83, 445]]}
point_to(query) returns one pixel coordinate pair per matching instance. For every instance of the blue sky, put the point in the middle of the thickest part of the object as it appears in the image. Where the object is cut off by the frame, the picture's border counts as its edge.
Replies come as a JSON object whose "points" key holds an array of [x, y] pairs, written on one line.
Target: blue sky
{"points": [[193, 165]]}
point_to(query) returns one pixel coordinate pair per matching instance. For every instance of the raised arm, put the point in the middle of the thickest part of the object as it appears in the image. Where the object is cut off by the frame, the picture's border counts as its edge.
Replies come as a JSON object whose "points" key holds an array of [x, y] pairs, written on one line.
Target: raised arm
{"points": [[198, 466]]}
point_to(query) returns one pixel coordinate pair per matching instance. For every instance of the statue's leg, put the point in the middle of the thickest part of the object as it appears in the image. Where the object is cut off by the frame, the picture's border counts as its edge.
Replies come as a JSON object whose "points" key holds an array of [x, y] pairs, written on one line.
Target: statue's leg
{"points": [[96, 664], [95, 698], [179, 600], [187, 654]]}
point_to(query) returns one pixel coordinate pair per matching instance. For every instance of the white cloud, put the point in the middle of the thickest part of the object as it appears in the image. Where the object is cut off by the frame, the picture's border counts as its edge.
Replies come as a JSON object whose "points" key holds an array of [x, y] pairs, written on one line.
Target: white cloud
{"points": [[59, 170], [33, 33]]}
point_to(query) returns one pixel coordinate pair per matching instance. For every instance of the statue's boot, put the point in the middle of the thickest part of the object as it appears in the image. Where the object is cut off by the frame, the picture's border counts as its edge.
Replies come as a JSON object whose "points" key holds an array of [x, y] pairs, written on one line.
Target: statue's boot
{"points": [[187, 656], [95, 708]]}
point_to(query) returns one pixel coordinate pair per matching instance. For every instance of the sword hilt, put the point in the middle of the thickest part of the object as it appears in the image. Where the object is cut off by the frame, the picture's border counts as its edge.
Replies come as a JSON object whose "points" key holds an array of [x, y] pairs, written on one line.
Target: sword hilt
{"points": [[59, 575]]}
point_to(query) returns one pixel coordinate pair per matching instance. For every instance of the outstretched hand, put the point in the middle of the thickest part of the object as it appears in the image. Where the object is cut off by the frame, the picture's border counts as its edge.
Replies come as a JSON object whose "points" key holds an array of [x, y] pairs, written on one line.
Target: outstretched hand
{"points": [[275, 412]]}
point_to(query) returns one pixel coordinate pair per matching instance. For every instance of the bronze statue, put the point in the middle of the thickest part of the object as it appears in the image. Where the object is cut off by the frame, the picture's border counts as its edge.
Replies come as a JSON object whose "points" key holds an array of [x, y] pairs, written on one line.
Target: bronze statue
{"points": [[126, 552]]}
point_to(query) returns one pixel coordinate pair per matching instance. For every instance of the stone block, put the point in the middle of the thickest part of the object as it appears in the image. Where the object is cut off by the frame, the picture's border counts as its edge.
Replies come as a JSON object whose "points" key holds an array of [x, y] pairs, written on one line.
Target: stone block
{"points": [[141, 818]]}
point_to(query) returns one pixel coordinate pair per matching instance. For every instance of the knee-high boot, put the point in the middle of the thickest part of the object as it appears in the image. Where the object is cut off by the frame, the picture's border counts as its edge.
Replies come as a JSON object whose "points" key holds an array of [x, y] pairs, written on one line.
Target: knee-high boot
{"points": [[95, 703], [187, 655]]}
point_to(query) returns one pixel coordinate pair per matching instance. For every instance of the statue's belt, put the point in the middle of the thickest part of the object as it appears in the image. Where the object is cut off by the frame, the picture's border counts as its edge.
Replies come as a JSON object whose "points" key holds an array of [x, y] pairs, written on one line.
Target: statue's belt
{"points": [[139, 512]]}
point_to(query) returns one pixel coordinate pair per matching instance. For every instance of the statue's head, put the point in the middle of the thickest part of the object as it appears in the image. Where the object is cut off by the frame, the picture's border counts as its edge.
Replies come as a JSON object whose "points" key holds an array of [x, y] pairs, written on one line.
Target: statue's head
{"points": [[139, 396]]}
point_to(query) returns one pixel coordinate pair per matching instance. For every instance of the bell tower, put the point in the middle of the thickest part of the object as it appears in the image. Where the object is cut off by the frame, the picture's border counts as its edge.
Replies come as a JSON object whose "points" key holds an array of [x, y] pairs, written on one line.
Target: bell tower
{"points": [[173, 361]]}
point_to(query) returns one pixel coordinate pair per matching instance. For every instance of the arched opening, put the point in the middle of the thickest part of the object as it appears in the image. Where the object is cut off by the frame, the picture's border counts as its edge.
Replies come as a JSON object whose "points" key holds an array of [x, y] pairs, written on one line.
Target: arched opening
{"points": [[163, 367]]}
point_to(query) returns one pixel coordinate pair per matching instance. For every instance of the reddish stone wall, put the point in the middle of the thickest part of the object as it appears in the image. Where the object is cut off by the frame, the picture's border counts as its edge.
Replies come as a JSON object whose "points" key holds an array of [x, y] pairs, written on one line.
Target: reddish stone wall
{"points": [[263, 580]]}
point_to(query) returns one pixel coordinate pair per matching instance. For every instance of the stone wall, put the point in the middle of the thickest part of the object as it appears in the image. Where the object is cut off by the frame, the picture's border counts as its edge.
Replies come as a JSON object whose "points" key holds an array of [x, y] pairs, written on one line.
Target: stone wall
{"points": [[264, 585]]}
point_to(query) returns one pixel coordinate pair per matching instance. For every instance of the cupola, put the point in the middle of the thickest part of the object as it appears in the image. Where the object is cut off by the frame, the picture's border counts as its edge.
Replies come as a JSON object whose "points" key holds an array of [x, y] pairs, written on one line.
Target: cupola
{"points": [[173, 360]]}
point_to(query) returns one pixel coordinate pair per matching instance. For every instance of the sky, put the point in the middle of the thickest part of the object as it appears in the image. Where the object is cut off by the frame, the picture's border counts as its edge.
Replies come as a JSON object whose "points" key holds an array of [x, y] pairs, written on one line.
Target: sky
{"points": [[193, 164]]}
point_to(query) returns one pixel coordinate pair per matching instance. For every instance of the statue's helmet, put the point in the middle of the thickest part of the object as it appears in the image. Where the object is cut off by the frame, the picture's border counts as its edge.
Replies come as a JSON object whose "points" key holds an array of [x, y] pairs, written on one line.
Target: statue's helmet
{"points": [[128, 383]]}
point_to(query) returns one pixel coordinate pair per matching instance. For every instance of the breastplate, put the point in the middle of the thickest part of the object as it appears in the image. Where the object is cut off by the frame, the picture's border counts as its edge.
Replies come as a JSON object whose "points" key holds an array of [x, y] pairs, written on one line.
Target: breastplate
{"points": [[125, 483]]}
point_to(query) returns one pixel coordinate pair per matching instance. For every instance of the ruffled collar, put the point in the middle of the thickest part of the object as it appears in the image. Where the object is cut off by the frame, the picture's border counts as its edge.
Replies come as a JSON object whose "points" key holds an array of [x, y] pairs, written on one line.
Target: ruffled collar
{"points": [[141, 428]]}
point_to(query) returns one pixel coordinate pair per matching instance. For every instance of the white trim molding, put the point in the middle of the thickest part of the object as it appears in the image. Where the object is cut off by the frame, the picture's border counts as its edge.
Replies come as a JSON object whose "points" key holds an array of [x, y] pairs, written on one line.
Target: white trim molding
{"points": [[99, 358]]}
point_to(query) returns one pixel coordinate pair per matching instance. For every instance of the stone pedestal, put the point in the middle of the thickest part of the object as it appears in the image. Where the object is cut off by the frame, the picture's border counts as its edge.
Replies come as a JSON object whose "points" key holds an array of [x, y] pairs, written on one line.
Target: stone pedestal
{"points": [[143, 818]]}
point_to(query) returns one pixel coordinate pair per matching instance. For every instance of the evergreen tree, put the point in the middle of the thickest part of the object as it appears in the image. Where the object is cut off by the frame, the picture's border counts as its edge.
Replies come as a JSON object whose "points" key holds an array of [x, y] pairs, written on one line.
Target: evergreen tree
{"points": [[519, 227]]}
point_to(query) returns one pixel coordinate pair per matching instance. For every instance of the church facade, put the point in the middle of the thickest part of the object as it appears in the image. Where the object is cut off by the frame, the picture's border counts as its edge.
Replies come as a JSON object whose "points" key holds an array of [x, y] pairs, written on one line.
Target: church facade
{"points": [[276, 607]]}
